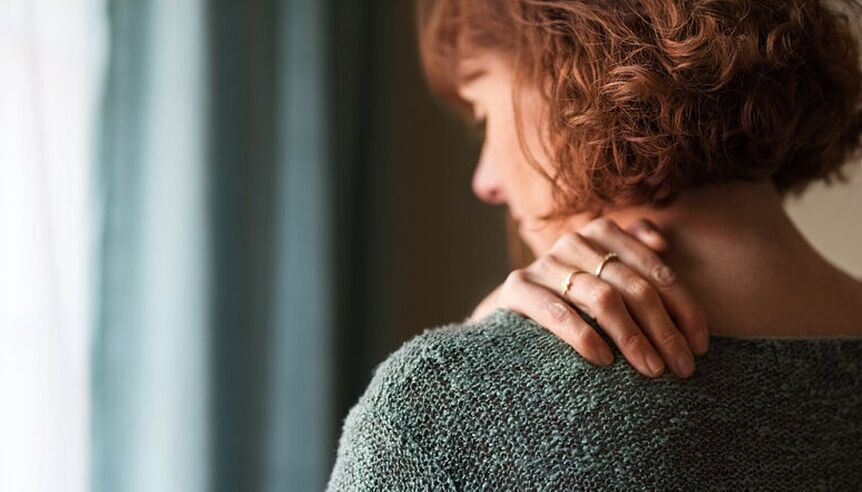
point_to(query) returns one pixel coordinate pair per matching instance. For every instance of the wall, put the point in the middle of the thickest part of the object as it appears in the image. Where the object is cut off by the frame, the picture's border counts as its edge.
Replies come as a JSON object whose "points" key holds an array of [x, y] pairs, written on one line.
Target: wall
{"points": [[831, 217]]}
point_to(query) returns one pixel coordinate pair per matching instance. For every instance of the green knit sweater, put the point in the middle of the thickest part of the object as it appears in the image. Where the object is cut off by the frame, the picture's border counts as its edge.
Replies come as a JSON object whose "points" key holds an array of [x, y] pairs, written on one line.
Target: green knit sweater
{"points": [[502, 404]]}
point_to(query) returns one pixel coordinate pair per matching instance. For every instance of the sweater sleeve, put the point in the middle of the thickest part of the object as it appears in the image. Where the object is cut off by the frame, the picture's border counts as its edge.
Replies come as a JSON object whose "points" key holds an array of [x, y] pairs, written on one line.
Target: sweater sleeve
{"points": [[376, 451]]}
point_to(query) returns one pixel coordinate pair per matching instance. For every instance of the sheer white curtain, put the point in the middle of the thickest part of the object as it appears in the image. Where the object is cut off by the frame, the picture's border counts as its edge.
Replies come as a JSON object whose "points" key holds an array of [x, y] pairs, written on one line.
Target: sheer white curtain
{"points": [[51, 60]]}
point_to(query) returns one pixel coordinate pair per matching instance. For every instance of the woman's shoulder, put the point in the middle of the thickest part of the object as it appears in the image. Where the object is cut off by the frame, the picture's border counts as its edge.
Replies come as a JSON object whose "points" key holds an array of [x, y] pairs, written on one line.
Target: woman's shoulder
{"points": [[501, 346], [498, 401], [424, 399], [505, 353], [501, 361], [503, 402], [456, 387]]}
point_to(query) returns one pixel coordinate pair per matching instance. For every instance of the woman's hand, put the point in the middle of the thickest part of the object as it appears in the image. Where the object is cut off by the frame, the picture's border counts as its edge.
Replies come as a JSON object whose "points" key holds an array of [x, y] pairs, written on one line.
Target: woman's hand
{"points": [[637, 300]]}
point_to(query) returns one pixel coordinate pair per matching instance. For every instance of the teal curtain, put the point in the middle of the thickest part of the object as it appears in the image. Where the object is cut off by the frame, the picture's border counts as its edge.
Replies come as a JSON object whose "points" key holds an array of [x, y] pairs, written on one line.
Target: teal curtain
{"points": [[242, 267], [150, 365]]}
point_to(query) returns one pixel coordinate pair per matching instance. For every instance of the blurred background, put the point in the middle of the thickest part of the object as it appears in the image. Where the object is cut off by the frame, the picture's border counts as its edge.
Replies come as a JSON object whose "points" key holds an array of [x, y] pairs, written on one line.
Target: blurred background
{"points": [[215, 219]]}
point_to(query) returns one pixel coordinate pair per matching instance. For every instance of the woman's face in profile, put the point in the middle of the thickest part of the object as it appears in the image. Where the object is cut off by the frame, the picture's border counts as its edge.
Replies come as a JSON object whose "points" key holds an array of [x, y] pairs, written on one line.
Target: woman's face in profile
{"points": [[504, 174]]}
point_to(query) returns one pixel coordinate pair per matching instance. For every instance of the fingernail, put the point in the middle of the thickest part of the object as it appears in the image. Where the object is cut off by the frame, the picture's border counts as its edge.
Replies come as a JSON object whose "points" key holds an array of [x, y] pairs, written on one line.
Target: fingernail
{"points": [[605, 356], [655, 365], [685, 366], [645, 233]]}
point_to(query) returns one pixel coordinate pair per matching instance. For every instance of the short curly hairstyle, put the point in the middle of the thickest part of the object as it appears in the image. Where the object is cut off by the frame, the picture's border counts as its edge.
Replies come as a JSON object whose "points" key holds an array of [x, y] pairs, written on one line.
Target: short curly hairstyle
{"points": [[647, 98]]}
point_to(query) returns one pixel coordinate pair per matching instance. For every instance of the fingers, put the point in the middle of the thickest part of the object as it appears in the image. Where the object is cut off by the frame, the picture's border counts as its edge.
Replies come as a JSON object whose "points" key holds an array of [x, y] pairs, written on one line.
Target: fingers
{"points": [[647, 233], [648, 311], [605, 304], [679, 302], [638, 300], [522, 296]]}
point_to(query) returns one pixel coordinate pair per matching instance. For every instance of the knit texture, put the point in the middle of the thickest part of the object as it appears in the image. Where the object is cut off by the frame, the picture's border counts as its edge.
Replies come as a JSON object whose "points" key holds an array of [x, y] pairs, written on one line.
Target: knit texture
{"points": [[502, 404]]}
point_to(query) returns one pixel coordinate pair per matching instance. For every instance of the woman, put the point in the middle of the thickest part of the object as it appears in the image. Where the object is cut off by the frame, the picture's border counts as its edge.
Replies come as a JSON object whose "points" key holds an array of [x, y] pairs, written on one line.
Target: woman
{"points": [[602, 117]]}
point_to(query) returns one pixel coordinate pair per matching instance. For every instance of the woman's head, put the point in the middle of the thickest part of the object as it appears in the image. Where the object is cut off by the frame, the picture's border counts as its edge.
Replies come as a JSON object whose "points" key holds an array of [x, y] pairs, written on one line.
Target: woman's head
{"points": [[593, 104]]}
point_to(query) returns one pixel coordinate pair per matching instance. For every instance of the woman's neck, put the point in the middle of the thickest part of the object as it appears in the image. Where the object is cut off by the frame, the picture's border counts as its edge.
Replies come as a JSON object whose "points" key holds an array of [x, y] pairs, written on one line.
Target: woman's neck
{"points": [[753, 271]]}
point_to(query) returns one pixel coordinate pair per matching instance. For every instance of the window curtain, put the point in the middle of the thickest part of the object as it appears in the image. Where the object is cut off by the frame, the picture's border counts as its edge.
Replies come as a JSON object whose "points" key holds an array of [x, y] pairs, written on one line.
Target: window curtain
{"points": [[240, 189], [150, 373], [51, 60]]}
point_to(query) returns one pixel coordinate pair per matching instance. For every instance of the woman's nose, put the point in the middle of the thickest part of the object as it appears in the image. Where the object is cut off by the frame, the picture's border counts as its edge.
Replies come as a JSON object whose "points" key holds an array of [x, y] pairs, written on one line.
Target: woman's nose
{"points": [[487, 184]]}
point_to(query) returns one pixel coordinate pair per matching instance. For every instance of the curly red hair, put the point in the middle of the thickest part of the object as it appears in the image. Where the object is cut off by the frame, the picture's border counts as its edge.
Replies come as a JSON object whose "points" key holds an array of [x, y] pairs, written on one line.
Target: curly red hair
{"points": [[647, 98]]}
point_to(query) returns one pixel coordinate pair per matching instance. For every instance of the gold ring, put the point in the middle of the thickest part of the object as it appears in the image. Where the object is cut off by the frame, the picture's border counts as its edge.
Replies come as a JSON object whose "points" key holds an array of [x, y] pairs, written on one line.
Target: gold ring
{"points": [[608, 257], [568, 282]]}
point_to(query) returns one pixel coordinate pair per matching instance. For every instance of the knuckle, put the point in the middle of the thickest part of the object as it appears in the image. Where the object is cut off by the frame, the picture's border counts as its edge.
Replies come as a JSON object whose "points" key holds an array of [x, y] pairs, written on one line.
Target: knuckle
{"points": [[630, 340], [640, 290], [514, 278], [603, 296], [670, 338], [568, 242], [663, 275]]}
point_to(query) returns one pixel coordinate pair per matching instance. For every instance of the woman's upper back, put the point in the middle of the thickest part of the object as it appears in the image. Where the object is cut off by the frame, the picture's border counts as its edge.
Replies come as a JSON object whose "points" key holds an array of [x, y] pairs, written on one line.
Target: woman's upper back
{"points": [[503, 404]]}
